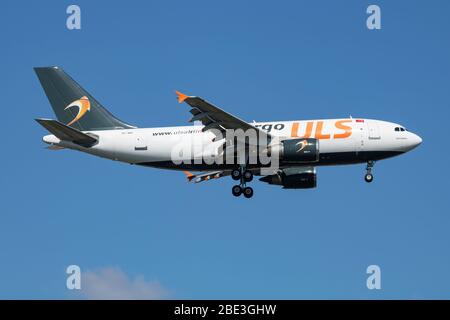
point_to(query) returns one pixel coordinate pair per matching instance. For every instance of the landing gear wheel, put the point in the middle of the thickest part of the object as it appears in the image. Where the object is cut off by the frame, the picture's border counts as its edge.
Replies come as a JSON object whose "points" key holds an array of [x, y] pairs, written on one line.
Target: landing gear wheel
{"points": [[248, 176], [243, 176], [236, 174], [248, 192], [368, 177], [236, 190]]}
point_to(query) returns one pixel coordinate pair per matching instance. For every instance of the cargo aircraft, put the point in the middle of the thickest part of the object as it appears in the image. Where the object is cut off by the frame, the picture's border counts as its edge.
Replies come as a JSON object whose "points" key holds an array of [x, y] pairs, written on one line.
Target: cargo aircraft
{"points": [[283, 153]]}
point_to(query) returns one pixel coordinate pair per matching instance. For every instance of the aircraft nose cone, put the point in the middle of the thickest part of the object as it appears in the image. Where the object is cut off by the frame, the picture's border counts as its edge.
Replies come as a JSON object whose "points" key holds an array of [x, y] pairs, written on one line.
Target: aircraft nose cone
{"points": [[418, 140], [414, 141]]}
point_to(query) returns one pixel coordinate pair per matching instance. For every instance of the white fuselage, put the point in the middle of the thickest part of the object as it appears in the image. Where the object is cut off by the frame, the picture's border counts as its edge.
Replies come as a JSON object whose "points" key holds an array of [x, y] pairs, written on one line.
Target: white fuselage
{"points": [[342, 141]]}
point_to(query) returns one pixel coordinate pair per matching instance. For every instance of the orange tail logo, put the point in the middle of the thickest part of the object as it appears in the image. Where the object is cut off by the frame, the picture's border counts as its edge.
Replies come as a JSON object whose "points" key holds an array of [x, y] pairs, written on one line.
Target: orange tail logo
{"points": [[83, 105]]}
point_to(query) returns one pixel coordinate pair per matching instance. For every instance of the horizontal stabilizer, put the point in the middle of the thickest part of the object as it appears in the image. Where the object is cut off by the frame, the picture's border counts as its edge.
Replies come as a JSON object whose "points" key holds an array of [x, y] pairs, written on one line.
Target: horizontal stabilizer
{"points": [[66, 133], [55, 147]]}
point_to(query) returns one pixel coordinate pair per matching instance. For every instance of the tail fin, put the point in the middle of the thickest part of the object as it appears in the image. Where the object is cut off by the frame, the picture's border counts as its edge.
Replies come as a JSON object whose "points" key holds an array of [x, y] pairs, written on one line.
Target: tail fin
{"points": [[73, 105]]}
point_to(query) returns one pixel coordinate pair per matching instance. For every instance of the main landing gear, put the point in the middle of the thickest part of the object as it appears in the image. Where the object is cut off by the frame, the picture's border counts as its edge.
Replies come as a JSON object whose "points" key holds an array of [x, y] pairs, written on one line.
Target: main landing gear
{"points": [[369, 176], [244, 176]]}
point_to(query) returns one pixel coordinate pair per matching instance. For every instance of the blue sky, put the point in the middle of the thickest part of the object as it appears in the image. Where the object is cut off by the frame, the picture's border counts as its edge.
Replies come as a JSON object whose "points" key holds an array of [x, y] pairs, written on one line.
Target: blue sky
{"points": [[261, 61]]}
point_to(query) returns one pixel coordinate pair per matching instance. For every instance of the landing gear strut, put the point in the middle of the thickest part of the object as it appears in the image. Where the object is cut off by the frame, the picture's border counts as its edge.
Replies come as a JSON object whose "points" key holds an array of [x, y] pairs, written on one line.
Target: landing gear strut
{"points": [[244, 176], [369, 176]]}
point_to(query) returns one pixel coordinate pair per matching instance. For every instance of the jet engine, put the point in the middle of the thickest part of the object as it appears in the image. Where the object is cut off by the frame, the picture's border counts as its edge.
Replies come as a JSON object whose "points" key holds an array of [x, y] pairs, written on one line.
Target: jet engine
{"points": [[293, 178], [296, 150]]}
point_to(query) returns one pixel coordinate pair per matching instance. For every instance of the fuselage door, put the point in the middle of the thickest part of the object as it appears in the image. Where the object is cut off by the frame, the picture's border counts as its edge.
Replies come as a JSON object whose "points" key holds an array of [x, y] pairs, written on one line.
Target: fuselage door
{"points": [[374, 130], [140, 143]]}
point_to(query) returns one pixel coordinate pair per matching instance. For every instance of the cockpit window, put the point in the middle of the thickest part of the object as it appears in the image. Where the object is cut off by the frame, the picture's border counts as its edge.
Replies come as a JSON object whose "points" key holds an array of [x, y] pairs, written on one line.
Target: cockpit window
{"points": [[400, 129], [397, 129]]}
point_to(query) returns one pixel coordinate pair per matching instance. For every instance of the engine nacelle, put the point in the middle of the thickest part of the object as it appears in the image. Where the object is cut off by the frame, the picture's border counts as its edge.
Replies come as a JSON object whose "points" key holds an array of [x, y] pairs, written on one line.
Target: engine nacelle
{"points": [[293, 178], [296, 150]]}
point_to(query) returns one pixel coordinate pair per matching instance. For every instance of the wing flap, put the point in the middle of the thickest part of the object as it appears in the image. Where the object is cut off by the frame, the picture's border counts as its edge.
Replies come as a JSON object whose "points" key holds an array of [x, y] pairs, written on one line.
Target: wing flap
{"points": [[196, 178]]}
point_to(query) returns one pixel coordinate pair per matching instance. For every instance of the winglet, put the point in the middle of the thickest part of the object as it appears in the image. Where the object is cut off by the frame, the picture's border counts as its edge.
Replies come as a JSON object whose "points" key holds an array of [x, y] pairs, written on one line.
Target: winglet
{"points": [[189, 175], [181, 96]]}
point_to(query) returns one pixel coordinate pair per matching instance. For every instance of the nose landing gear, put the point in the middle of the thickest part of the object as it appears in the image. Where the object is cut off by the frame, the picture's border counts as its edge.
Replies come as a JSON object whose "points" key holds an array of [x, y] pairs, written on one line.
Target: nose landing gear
{"points": [[369, 176], [244, 176]]}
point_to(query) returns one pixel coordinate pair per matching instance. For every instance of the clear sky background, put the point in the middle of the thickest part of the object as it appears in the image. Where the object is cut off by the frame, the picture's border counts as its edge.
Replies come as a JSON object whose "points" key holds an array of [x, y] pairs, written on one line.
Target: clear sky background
{"points": [[141, 232]]}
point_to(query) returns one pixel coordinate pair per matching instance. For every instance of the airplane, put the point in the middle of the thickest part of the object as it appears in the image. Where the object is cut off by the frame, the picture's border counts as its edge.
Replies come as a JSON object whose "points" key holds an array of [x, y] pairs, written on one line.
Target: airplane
{"points": [[296, 147]]}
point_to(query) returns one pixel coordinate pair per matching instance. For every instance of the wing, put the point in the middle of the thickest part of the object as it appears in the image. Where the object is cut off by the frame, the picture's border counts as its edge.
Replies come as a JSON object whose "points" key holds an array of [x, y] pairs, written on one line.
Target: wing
{"points": [[214, 117], [205, 176]]}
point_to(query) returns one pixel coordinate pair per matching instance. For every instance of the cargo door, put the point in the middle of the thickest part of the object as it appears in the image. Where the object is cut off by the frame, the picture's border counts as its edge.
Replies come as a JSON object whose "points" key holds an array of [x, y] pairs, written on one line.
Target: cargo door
{"points": [[140, 143], [374, 130]]}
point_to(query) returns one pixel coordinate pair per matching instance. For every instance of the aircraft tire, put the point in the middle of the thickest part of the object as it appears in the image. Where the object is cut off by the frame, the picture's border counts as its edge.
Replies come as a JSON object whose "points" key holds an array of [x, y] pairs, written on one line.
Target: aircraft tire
{"points": [[248, 176], [368, 177], [236, 190], [236, 174], [248, 192]]}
